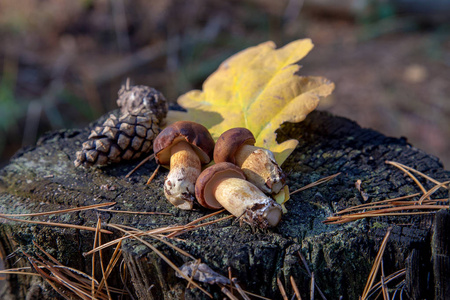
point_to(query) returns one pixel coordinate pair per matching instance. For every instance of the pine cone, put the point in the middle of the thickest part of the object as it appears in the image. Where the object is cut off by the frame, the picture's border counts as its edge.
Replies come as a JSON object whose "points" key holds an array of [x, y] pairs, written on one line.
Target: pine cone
{"points": [[140, 96], [123, 138], [128, 135]]}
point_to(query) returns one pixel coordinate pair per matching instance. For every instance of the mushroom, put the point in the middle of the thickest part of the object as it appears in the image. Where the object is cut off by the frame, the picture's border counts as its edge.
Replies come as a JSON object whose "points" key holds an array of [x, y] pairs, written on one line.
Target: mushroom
{"points": [[236, 145], [224, 185], [185, 146]]}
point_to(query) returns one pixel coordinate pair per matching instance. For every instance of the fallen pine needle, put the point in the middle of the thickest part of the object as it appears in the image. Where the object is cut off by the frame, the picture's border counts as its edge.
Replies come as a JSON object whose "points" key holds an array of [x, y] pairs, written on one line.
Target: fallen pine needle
{"points": [[116, 241], [281, 288], [93, 259], [134, 212], [168, 261], [389, 278], [384, 212], [155, 236], [383, 282], [311, 274], [400, 206], [153, 175], [175, 230], [150, 157], [56, 224], [228, 293], [13, 271], [316, 183], [376, 265], [369, 205], [62, 211], [396, 164], [402, 167], [239, 289], [295, 288]]}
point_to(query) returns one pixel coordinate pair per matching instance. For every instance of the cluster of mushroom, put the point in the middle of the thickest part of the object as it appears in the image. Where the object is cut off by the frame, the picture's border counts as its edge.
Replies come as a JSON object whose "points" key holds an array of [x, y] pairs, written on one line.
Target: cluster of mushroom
{"points": [[238, 181]]}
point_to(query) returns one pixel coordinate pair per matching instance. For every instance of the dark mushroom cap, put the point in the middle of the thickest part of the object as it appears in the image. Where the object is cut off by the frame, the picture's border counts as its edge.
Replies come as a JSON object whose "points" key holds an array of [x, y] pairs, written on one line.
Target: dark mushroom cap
{"points": [[210, 178], [229, 143], [195, 134]]}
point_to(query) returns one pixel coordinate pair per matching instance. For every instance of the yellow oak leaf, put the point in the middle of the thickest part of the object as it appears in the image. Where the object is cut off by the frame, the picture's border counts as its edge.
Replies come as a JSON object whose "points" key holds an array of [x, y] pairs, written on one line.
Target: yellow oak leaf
{"points": [[258, 88]]}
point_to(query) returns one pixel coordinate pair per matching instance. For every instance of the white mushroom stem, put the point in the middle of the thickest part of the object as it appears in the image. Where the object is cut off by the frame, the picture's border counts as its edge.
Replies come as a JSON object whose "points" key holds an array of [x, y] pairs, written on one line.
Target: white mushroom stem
{"points": [[185, 167], [245, 200], [260, 168]]}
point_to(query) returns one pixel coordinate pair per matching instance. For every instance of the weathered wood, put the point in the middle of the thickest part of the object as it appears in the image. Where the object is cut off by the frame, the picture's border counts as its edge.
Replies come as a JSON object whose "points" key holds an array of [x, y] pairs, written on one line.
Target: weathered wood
{"points": [[441, 255], [43, 178]]}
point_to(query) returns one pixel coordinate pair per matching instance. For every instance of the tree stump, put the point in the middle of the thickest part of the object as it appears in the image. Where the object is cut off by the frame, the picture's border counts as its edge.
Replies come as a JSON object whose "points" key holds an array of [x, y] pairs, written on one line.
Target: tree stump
{"points": [[43, 178]]}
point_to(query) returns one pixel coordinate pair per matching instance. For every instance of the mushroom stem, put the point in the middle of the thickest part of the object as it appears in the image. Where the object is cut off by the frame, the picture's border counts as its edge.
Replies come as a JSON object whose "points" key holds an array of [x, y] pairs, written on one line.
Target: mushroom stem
{"points": [[243, 199], [260, 168], [185, 166]]}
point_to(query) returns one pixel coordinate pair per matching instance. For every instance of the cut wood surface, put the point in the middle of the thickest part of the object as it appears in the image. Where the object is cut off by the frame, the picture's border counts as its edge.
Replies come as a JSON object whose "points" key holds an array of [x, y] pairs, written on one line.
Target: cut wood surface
{"points": [[43, 178]]}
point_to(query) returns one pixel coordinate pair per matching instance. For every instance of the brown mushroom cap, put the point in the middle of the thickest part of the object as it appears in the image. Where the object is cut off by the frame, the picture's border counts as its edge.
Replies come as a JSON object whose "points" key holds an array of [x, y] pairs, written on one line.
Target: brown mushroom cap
{"points": [[229, 143], [195, 134], [210, 178]]}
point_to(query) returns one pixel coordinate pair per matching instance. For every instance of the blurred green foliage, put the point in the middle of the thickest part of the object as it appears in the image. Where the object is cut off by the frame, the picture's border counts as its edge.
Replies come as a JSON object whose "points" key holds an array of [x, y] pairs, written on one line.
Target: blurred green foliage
{"points": [[10, 109]]}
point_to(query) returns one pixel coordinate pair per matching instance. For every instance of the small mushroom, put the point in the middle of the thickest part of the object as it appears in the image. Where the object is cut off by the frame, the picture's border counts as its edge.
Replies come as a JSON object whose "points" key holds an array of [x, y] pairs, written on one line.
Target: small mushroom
{"points": [[224, 185], [185, 146], [236, 145]]}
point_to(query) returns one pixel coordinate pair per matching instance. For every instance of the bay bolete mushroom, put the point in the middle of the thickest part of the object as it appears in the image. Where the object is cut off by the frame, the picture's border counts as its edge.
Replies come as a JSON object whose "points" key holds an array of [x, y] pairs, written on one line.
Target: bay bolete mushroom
{"points": [[224, 185], [236, 145], [184, 146]]}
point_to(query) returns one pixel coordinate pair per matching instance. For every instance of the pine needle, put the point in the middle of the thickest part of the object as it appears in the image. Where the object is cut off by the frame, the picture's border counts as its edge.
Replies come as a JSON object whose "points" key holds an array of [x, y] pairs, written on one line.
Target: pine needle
{"points": [[54, 260], [316, 183], [168, 261], [46, 277], [18, 272], [62, 211], [396, 275], [427, 195], [402, 167], [136, 231], [383, 283], [153, 175], [93, 259], [56, 224], [148, 158], [239, 289], [385, 212], [104, 281], [194, 271], [376, 265], [56, 278], [295, 288], [135, 212], [112, 263], [281, 288], [189, 228], [397, 206], [116, 241], [60, 266], [396, 164], [313, 284], [310, 274], [228, 293], [377, 204]]}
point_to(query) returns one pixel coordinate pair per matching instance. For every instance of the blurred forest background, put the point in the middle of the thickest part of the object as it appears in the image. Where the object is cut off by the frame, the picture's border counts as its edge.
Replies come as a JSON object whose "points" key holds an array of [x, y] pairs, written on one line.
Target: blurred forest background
{"points": [[63, 61]]}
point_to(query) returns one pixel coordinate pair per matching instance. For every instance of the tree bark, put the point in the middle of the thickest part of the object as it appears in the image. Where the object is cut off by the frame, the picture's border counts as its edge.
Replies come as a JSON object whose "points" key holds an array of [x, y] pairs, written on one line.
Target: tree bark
{"points": [[43, 178]]}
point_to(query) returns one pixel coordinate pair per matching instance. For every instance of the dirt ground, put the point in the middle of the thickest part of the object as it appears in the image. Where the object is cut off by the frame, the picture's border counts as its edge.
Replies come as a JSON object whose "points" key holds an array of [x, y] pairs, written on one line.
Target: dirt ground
{"points": [[64, 70], [398, 84]]}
